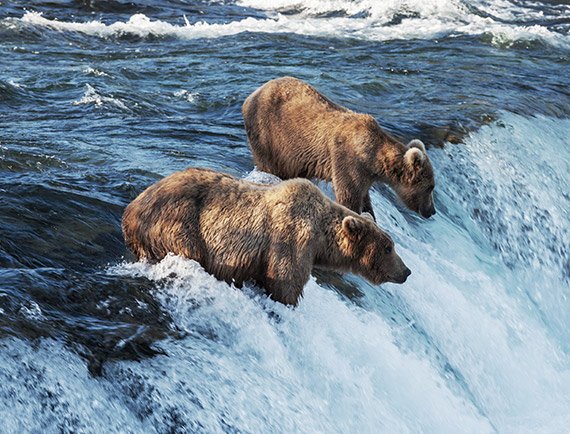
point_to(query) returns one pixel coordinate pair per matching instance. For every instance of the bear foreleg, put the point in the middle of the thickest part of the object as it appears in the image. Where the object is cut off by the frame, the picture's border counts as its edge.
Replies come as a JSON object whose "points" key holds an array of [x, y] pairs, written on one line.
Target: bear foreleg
{"points": [[347, 196], [367, 206], [286, 277]]}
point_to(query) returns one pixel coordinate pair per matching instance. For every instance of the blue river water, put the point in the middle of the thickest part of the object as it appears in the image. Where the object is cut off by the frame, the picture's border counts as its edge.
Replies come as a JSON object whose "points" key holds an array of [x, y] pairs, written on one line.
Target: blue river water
{"points": [[99, 99]]}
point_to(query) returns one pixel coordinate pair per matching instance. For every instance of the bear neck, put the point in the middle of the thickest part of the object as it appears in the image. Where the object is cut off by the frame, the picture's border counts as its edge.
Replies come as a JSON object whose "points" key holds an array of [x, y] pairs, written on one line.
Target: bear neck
{"points": [[392, 163], [336, 251]]}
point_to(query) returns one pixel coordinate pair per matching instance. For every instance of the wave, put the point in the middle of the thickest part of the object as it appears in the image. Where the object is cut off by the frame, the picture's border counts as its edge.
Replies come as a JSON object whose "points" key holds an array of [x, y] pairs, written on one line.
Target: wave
{"points": [[11, 90], [131, 104], [95, 72], [92, 97], [377, 21], [505, 10], [186, 95]]}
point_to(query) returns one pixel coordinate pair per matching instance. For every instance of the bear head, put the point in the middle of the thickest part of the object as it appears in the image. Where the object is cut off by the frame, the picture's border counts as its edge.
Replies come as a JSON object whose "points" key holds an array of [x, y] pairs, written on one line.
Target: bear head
{"points": [[371, 251], [418, 182]]}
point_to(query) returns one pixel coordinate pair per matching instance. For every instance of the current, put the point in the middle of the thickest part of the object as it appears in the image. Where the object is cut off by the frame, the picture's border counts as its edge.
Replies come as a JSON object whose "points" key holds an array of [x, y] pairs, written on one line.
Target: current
{"points": [[100, 99]]}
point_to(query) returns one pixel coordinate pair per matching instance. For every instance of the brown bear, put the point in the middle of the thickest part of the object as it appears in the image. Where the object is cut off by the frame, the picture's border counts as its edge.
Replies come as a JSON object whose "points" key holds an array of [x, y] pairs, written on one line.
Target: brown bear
{"points": [[294, 131], [271, 234]]}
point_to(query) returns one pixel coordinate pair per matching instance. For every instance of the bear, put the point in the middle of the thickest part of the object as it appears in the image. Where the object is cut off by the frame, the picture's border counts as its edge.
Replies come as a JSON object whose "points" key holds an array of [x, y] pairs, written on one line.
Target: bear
{"points": [[273, 235], [294, 131]]}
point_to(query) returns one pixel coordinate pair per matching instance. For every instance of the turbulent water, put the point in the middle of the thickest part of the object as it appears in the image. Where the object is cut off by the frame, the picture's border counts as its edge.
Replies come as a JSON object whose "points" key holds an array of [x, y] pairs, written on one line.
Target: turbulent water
{"points": [[99, 99]]}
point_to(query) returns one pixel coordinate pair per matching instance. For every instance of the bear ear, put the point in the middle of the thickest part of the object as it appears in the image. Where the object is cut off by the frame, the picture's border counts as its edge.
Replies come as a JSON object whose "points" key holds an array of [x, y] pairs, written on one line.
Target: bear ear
{"points": [[414, 158], [367, 215], [416, 143], [352, 227]]}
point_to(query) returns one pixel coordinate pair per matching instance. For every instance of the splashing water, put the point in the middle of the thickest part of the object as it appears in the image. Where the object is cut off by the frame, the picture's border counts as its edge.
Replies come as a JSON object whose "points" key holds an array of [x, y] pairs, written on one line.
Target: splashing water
{"points": [[377, 21]]}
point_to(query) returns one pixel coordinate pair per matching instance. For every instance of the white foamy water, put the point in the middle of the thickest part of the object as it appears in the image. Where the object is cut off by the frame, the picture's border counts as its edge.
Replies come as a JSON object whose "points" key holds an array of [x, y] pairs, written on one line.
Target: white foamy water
{"points": [[312, 378], [95, 72], [516, 195], [365, 19], [490, 279], [93, 97], [260, 177], [186, 95], [484, 347]]}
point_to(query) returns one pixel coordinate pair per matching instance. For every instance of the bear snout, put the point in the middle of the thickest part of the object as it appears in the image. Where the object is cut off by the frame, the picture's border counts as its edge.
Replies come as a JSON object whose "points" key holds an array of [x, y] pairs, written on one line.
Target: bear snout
{"points": [[427, 213], [402, 277]]}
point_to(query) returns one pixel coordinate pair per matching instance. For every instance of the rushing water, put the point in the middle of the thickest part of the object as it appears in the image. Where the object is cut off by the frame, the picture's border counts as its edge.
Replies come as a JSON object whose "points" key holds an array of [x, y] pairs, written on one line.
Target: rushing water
{"points": [[99, 99]]}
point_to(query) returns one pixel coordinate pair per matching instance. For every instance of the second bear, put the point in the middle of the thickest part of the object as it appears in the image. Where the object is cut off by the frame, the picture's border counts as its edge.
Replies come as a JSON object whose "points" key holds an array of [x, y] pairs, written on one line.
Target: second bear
{"points": [[294, 131]]}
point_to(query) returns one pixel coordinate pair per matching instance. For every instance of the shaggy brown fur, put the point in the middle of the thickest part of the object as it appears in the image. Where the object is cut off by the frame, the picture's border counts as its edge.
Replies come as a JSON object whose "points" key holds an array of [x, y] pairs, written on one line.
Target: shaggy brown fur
{"points": [[273, 235], [294, 131]]}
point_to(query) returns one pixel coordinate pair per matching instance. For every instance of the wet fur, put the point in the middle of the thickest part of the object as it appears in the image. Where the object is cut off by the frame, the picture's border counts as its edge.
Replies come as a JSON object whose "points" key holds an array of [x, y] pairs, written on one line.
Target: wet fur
{"points": [[294, 131], [275, 235]]}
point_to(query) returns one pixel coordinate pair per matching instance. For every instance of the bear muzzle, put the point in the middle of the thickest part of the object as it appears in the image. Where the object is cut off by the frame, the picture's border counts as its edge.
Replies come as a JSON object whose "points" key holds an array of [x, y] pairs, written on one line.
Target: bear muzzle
{"points": [[401, 277], [427, 213]]}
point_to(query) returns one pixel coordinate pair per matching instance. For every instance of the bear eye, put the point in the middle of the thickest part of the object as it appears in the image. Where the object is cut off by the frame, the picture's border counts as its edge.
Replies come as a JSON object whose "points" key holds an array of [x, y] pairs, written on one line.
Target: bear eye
{"points": [[388, 250]]}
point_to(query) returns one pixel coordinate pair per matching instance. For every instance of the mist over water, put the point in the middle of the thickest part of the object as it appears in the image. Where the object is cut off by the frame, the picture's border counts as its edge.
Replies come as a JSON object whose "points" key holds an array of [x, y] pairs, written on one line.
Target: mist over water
{"points": [[100, 99]]}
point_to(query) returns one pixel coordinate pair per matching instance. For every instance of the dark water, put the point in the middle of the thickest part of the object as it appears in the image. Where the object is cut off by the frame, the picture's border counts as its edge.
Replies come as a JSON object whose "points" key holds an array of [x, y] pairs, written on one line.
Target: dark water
{"points": [[97, 103]]}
